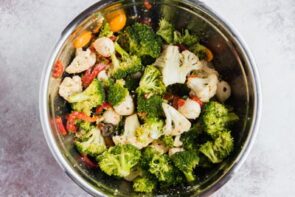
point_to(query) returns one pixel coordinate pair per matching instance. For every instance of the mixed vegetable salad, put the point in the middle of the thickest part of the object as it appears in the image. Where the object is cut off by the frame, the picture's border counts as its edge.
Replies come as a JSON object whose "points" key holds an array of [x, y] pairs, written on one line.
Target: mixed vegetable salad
{"points": [[147, 104]]}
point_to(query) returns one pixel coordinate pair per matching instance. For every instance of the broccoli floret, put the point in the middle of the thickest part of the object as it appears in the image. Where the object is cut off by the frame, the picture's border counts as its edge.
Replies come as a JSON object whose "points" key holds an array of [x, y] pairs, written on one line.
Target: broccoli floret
{"points": [[204, 162], [186, 38], [161, 167], [127, 65], [158, 165], [140, 39], [151, 130], [199, 50], [190, 138], [149, 107], [151, 82], [219, 149], [167, 140], [132, 82], [186, 161], [90, 142], [147, 155], [119, 160], [178, 179], [216, 118], [120, 99], [91, 97], [168, 33], [105, 30], [117, 93], [83, 125], [144, 184], [166, 30]]}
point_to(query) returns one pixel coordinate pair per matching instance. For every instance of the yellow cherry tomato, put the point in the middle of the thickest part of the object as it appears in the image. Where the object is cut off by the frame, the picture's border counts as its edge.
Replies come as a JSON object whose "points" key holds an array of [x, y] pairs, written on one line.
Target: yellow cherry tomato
{"points": [[118, 22], [116, 19], [83, 39], [209, 55]]}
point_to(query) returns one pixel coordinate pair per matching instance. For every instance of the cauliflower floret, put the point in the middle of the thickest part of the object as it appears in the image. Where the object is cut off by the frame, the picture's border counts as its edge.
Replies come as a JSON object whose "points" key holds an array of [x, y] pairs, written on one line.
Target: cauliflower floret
{"points": [[191, 109], [110, 116], [82, 61], [204, 88], [174, 150], [126, 107], [169, 62], [189, 62], [176, 123], [102, 75], [177, 142], [130, 126], [104, 46], [175, 66], [70, 86], [223, 91]]}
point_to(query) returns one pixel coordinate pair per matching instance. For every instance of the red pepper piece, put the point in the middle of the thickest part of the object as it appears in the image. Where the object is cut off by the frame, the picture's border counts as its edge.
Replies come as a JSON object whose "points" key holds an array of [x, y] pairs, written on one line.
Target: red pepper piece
{"points": [[71, 120], [195, 98], [180, 102], [58, 69], [88, 162], [100, 108], [60, 125], [147, 5], [90, 75]]}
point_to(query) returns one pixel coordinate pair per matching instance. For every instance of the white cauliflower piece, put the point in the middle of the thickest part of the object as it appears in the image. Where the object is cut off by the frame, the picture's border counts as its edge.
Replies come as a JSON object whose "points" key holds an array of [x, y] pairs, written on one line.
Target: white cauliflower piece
{"points": [[176, 123], [70, 86], [104, 46], [177, 142], [172, 151], [223, 91], [189, 62], [102, 75], [169, 62], [110, 116], [204, 88], [126, 107], [82, 61], [191, 109], [138, 135], [175, 66], [130, 126]]}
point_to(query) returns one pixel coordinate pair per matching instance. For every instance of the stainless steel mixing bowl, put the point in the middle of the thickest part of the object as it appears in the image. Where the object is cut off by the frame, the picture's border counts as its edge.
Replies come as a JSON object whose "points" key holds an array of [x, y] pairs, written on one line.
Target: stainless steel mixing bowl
{"points": [[232, 60]]}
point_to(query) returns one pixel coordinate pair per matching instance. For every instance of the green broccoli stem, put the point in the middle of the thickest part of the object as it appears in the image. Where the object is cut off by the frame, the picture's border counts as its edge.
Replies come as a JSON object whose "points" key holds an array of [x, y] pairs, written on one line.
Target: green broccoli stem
{"points": [[125, 170], [115, 61], [232, 117], [121, 51], [189, 176]]}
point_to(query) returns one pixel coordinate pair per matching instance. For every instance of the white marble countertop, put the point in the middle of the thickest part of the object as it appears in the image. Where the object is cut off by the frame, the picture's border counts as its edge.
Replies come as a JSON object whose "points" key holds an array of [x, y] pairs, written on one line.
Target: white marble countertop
{"points": [[28, 31]]}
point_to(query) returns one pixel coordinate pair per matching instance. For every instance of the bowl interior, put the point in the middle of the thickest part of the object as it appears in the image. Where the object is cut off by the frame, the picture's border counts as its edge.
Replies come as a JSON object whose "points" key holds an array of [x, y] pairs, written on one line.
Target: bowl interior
{"points": [[230, 60]]}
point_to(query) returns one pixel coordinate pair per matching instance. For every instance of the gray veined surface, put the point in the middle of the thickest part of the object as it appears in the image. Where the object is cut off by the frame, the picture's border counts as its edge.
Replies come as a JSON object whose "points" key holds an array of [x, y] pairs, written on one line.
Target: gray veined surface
{"points": [[28, 32]]}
